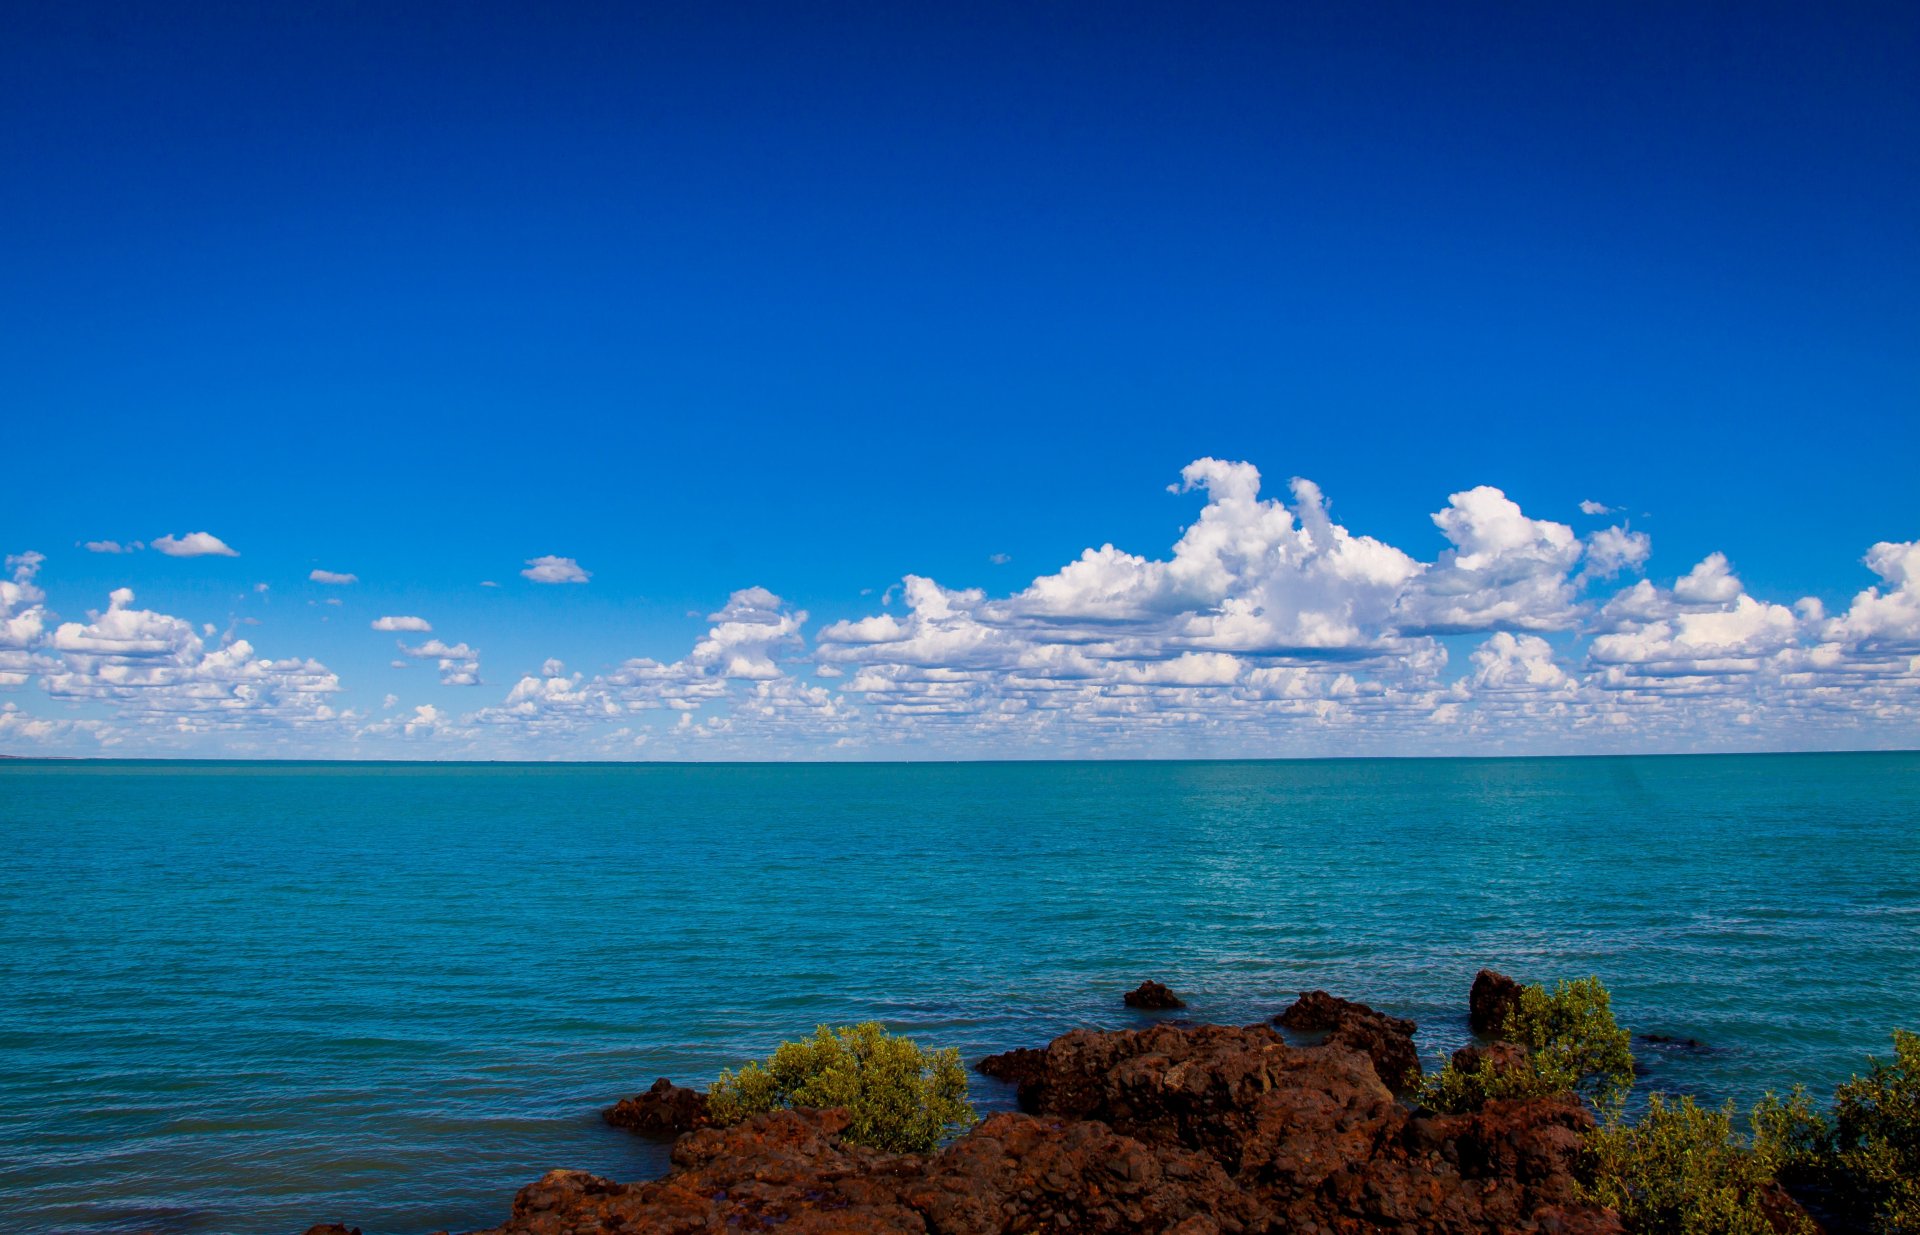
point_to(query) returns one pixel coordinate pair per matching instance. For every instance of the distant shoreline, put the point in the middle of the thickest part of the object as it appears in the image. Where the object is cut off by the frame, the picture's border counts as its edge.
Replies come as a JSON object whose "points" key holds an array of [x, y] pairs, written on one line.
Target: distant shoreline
{"points": [[266, 761]]}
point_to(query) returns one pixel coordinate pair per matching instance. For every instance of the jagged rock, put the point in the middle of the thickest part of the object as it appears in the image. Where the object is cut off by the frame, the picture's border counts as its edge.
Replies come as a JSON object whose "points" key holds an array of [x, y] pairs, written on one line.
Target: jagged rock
{"points": [[1387, 1040], [1023, 1066], [1187, 1130], [1494, 995], [1153, 997], [665, 1110]]}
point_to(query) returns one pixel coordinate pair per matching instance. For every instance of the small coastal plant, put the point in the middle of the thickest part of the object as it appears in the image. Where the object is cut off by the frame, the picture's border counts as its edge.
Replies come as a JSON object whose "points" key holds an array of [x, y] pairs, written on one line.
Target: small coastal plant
{"points": [[1682, 1170], [1876, 1137], [898, 1096], [1573, 1045]]}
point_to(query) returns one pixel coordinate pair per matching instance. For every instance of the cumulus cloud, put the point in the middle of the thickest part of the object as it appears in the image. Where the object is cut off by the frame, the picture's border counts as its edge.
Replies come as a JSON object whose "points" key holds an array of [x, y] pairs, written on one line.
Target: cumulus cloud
{"points": [[154, 668], [1708, 583], [1889, 614], [1615, 549], [1266, 627], [332, 577], [1591, 507], [111, 546], [551, 569], [1505, 570], [193, 544], [23, 617], [459, 664]]}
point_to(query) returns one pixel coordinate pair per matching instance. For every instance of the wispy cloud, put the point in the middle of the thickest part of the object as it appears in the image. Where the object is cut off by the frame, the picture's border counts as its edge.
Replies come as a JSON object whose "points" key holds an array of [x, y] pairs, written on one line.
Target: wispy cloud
{"points": [[333, 577]]}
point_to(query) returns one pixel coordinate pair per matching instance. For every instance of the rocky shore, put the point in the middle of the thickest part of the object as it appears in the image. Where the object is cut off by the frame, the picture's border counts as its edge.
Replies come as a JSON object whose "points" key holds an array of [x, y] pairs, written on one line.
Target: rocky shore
{"points": [[1179, 1128]]}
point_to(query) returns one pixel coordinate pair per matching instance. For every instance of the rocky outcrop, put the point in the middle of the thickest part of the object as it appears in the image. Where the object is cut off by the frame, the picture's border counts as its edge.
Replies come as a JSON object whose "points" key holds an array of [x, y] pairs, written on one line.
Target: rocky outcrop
{"points": [[1493, 1056], [1191, 1130], [666, 1110], [1023, 1066], [1152, 997], [1386, 1040], [1494, 995]]}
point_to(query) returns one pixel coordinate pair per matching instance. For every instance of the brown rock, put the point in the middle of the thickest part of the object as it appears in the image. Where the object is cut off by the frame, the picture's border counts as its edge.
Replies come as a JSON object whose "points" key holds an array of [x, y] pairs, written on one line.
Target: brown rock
{"points": [[1024, 1066], [1386, 1040], [1496, 1056], [665, 1111], [333, 1228], [1201, 1130], [1152, 997], [1494, 995]]}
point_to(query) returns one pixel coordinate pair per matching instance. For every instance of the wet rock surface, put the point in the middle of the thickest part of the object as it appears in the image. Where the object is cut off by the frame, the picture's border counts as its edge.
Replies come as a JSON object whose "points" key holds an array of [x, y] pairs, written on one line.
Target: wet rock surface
{"points": [[1494, 995], [665, 1110], [1386, 1040], [1152, 997], [1192, 1130]]}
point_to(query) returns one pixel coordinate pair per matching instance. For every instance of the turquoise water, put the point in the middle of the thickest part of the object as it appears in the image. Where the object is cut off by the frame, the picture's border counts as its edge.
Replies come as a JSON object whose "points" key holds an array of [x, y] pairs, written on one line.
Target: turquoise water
{"points": [[248, 997]]}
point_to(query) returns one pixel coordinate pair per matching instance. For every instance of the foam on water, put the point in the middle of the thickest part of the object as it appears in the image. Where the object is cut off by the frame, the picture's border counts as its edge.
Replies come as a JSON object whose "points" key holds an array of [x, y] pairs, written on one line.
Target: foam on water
{"points": [[249, 997]]}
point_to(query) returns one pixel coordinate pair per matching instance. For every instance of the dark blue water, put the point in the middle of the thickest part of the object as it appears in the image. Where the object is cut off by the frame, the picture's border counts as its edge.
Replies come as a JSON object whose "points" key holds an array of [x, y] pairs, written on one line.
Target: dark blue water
{"points": [[247, 997]]}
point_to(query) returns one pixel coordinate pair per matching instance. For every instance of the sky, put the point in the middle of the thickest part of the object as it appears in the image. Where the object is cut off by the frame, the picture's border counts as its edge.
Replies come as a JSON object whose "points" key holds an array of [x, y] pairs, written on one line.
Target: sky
{"points": [[853, 381]]}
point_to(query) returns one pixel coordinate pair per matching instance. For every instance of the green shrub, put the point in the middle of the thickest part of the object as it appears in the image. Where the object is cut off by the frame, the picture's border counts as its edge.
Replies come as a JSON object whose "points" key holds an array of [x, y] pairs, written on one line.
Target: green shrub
{"points": [[1573, 1046], [1876, 1136], [898, 1097], [1792, 1138], [1680, 1170]]}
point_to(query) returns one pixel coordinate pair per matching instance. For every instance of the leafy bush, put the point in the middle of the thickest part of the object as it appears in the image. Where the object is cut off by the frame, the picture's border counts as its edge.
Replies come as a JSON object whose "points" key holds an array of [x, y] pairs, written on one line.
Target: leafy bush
{"points": [[1876, 1137], [898, 1096], [1681, 1170], [1793, 1139], [1573, 1045]]}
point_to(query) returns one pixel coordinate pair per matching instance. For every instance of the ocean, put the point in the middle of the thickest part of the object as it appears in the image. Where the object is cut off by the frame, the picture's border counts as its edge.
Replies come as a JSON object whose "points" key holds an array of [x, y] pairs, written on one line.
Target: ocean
{"points": [[248, 997]]}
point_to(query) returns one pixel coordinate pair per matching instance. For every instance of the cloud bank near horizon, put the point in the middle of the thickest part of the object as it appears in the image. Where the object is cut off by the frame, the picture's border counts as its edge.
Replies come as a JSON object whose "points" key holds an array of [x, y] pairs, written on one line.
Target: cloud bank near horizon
{"points": [[1268, 629]]}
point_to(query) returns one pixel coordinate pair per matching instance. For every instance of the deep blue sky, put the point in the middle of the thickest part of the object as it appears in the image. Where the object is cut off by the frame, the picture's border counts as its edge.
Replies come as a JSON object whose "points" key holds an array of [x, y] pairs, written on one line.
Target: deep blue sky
{"points": [[813, 296]]}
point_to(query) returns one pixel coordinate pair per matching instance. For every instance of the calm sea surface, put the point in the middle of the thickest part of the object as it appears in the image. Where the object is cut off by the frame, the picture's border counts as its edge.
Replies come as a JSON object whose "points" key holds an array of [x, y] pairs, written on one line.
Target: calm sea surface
{"points": [[250, 997]]}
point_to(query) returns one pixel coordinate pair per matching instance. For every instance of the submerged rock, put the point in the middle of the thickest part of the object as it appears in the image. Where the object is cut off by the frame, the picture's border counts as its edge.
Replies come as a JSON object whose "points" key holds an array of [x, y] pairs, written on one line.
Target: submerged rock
{"points": [[1192, 1130], [1494, 995], [665, 1110], [1153, 997], [1386, 1040]]}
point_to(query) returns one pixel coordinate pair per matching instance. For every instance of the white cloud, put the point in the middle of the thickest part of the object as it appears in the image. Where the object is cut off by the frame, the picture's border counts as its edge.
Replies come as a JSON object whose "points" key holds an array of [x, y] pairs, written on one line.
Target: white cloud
{"points": [[1889, 617], [459, 664], [111, 546], [1000, 559], [23, 618], [193, 544], [1505, 571], [1708, 583], [332, 577], [1267, 627], [551, 569], [1591, 507], [153, 668], [1615, 549]]}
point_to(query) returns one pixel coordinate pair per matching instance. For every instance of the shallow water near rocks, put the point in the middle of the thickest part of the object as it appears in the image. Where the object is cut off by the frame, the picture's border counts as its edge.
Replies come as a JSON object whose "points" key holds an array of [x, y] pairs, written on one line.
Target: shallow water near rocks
{"points": [[250, 997]]}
